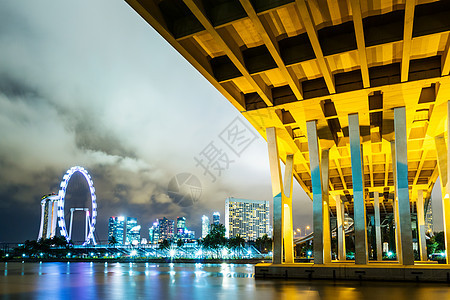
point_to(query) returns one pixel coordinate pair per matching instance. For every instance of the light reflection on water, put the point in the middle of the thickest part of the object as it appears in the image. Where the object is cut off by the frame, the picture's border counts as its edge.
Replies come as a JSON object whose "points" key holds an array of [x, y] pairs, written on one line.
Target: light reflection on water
{"points": [[187, 281]]}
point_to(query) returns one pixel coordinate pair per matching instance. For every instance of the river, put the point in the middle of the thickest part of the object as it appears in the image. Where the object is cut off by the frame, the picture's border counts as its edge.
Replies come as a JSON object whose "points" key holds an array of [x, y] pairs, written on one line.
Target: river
{"points": [[129, 281]]}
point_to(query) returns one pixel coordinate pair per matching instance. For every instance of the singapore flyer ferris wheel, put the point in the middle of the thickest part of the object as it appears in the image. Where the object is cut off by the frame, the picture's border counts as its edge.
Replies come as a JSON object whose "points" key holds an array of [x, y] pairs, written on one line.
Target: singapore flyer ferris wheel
{"points": [[91, 217]]}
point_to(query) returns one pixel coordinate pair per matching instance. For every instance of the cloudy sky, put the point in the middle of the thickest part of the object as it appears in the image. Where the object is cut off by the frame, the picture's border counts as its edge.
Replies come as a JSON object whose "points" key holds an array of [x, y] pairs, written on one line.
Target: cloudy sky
{"points": [[90, 83]]}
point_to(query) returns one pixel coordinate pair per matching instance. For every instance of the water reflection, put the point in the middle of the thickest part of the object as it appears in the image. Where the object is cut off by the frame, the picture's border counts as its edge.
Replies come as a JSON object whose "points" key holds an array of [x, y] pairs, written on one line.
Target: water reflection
{"points": [[186, 281]]}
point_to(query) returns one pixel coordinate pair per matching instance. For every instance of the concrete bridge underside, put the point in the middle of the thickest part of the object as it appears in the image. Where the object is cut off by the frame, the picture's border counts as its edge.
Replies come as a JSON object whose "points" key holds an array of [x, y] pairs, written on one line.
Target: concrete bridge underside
{"points": [[353, 96]]}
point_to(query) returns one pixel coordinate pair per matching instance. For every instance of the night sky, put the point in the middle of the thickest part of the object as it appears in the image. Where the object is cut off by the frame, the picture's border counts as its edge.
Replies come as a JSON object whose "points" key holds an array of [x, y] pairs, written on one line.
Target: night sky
{"points": [[90, 83]]}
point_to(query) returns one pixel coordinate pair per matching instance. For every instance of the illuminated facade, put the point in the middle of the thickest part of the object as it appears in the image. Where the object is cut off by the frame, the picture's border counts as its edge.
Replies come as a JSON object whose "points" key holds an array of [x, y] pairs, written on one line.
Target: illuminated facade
{"points": [[352, 96], [49, 205], [429, 217], [181, 227], [166, 229], [153, 233], [116, 227], [133, 231], [248, 218], [216, 218], [205, 226]]}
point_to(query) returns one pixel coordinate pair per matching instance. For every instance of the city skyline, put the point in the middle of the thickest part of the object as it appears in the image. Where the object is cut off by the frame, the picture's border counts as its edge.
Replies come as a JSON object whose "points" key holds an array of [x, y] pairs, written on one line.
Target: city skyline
{"points": [[115, 114], [94, 102]]}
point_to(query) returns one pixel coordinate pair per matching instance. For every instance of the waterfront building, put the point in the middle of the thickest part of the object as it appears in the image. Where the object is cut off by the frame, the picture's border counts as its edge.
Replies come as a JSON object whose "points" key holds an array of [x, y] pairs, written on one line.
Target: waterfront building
{"points": [[429, 217], [48, 216], [133, 231], [153, 233], [189, 235], [166, 229], [181, 227], [216, 218], [116, 228], [205, 226], [248, 218]]}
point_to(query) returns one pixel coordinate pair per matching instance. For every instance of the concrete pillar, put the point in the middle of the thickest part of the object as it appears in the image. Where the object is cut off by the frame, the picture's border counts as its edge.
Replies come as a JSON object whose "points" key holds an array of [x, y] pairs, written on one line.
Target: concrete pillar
{"points": [[421, 226], [361, 256], [376, 204], [340, 227], [316, 182], [401, 165], [275, 175], [443, 158], [398, 245], [446, 198], [326, 206], [287, 211]]}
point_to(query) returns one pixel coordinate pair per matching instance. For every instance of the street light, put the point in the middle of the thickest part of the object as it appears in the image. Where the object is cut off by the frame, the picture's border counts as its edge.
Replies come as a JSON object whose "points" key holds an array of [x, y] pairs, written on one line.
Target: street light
{"points": [[306, 230]]}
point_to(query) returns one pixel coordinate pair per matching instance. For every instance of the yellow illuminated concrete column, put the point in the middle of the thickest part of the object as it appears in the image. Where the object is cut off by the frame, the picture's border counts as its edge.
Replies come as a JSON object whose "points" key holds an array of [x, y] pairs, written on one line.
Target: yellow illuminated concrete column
{"points": [[322, 250], [282, 202], [287, 211], [376, 204], [398, 245], [401, 166], [442, 153], [446, 198], [326, 206], [340, 229], [359, 205], [275, 175], [421, 226]]}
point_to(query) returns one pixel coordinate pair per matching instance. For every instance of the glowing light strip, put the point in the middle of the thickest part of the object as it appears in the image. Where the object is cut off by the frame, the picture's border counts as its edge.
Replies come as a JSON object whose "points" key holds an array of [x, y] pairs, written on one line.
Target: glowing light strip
{"points": [[62, 195]]}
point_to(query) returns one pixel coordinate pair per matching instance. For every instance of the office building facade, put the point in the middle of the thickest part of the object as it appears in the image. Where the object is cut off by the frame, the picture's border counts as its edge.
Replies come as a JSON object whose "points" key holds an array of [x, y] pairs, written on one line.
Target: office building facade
{"points": [[133, 231], [216, 218], [248, 218], [205, 226], [116, 229]]}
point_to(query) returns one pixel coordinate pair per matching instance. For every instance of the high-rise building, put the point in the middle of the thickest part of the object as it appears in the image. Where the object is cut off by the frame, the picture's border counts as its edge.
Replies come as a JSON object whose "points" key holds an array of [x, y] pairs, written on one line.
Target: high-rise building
{"points": [[133, 232], [115, 229], [181, 227], [216, 218], [153, 233], [49, 205], [248, 218], [205, 226], [429, 216], [166, 229]]}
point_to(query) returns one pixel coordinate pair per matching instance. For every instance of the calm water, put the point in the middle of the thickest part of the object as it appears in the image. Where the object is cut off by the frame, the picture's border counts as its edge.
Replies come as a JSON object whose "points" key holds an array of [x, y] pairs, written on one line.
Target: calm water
{"points": [[186, 281]]}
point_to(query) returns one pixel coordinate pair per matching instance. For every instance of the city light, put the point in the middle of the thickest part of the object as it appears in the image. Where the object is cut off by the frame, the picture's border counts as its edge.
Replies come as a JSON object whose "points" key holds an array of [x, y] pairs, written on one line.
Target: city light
{"points": [[172, 252], [224, 252], [133, 253]]}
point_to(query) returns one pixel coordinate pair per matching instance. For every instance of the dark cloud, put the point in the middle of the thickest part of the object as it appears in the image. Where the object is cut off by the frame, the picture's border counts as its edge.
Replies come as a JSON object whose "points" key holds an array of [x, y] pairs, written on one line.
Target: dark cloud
{"points": [[80, 85]]}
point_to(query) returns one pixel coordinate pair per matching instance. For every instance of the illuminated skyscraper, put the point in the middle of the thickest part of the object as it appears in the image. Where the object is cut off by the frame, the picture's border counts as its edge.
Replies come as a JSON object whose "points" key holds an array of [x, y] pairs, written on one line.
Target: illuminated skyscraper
{"points": [[48, 216], [115, 229], [166, 229], [248, 218], [429, 216], [216, 218], [181, 227], [205, 226], [153, 233], [133, 232]]}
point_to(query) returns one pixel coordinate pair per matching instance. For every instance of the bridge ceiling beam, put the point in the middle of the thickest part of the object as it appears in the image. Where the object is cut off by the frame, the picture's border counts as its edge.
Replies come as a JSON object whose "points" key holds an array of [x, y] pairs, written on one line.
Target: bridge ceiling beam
{"points": [[314, 39], [230, 47]]}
